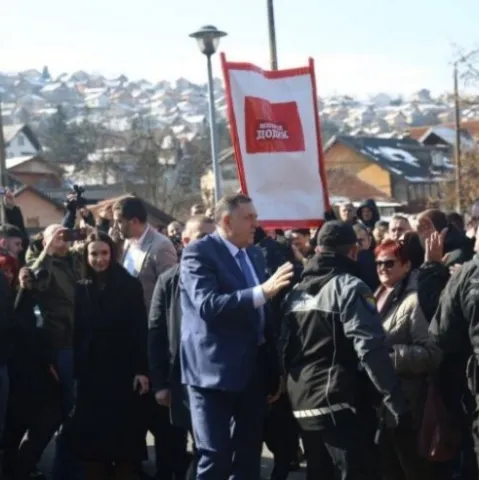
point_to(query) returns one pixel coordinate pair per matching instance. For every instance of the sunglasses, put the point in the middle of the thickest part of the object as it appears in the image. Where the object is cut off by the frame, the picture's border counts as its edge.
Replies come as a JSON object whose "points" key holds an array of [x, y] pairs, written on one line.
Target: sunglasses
{"points": [[387, 264]]}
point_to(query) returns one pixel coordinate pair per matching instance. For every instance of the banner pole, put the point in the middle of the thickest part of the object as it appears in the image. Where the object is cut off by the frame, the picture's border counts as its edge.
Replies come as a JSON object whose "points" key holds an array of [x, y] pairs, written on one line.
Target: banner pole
{"points": [[272, 36]]}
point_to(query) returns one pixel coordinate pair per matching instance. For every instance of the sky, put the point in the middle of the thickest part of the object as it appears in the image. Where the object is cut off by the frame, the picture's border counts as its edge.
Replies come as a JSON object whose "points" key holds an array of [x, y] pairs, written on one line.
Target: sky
{"points": [[359, 47]]}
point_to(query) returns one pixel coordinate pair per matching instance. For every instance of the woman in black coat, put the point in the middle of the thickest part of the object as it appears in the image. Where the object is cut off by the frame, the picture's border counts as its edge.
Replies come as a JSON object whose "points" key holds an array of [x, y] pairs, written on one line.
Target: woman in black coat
{"points": [[110, 365]]}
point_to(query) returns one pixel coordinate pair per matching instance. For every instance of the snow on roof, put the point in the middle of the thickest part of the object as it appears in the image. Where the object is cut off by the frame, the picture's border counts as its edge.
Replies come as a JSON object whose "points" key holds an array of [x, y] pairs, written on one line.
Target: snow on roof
{"points": [[394, 154], [449, 136], [194, 118], [51, 87], [418, 179], [15, 161]]}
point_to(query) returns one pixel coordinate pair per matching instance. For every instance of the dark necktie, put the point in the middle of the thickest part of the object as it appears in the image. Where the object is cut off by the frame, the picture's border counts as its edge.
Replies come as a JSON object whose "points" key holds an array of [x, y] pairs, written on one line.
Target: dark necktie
{"points": [[250, 281]]}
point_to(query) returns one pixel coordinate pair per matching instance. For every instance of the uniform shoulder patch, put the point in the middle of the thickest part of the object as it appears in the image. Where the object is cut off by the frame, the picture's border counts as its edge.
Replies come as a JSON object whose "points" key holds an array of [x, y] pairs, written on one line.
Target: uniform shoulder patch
{"points": [[369, 301]]}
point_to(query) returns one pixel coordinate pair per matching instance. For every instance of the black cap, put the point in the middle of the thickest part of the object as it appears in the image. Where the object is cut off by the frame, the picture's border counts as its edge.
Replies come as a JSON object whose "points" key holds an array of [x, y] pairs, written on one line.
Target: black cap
{"points": [[336, 234]]}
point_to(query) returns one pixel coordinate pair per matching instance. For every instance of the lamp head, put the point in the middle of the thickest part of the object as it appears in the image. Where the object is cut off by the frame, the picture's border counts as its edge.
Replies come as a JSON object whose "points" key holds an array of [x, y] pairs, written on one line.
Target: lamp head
{"points": [[208, 39]]}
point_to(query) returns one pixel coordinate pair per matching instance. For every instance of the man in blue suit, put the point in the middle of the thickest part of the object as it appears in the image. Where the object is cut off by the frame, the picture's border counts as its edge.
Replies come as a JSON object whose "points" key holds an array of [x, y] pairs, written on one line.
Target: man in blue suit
{"points": [[228, 358]]}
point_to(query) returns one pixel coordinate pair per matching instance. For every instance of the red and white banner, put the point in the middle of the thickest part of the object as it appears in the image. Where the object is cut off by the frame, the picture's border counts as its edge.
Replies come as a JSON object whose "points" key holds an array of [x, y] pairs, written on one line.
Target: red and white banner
{"points": [[275, 130]]}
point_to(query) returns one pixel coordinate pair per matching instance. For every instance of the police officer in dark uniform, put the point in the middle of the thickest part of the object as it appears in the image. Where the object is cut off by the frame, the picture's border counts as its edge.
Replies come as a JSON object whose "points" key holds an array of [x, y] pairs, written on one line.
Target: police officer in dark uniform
{"points": [[333, 334], [455, 329]]}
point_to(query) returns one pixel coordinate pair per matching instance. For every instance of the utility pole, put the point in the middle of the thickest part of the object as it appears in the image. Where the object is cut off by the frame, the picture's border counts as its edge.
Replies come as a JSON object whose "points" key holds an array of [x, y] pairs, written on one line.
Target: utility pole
{"points": [[273, 54], [3, 167], [457, 146]]}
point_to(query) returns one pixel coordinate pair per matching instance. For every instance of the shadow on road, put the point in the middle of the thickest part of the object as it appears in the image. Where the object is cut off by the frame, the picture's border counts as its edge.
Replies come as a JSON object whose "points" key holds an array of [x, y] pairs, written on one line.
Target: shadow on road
{"points": [[266, 464]]}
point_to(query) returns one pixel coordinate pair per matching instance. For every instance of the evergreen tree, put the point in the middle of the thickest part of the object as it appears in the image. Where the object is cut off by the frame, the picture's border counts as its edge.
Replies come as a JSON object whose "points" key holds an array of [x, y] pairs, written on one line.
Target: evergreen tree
{"points": [[68, 143], [46, 73]]}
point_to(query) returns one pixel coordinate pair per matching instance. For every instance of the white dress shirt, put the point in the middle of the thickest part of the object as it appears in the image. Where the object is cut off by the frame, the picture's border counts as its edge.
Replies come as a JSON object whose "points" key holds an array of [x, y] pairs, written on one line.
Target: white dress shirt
{"points": [[133, 252]]}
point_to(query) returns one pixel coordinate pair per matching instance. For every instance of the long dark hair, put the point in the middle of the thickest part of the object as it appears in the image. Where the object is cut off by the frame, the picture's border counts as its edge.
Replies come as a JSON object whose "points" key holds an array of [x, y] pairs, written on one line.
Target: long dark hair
{"points": [[97, 236]]}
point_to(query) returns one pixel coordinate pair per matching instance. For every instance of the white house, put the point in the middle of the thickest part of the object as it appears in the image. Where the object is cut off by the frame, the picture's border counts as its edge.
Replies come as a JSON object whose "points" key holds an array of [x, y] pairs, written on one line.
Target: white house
{"points": [[97, 100], [20, 141]]}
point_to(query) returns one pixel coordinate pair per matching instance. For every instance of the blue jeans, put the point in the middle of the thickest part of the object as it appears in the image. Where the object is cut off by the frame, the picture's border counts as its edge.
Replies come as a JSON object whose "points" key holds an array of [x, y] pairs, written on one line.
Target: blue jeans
{"points": [[65, 465], [4, 390]]}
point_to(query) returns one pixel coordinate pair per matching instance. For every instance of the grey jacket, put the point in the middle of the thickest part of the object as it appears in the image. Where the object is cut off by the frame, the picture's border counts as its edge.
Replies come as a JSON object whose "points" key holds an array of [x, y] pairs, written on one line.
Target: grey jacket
{"points": [[157, 255], [413, 353]]}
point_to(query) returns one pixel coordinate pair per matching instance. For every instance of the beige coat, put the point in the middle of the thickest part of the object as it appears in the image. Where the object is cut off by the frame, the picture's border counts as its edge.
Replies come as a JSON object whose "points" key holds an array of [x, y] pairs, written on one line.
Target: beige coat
{"points": [[413, 353], [157, 255]]}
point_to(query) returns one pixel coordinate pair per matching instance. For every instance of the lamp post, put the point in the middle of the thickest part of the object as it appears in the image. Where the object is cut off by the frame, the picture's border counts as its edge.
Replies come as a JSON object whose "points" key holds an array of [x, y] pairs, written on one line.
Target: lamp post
{"points": [[208, 38]]}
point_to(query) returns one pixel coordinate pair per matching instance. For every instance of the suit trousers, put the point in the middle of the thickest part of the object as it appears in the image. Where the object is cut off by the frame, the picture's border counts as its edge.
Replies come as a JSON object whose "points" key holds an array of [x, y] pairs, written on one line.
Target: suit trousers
{"points": [[172, 458], [228, 428]]}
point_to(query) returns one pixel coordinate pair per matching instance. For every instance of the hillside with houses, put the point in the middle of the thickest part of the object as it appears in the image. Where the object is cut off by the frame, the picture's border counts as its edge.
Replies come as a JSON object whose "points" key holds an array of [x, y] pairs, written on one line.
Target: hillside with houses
{"points": [[33, 96], [152, 138]]}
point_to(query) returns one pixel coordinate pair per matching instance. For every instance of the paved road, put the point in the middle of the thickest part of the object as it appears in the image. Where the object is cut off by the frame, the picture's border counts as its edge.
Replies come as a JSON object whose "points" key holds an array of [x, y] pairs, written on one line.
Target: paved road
{"points": [[266, 466]]}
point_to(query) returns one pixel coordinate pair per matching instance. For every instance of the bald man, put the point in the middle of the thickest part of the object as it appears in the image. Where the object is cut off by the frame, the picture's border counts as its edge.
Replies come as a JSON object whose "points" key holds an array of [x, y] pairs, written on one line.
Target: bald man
{"points": [[163, 350], [54, 273]]}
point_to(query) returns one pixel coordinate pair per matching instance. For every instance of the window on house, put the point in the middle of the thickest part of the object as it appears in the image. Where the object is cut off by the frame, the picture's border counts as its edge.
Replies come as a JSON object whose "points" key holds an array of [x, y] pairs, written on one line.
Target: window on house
{"points": [[33, 222], [21, 140], [400, 192], [412, 192], [419, 191]]}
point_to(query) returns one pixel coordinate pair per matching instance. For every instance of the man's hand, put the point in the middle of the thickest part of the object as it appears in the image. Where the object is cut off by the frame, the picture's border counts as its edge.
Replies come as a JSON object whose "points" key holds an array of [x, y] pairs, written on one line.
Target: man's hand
{"points": [[9, 199], [434, 250], [274, 398], [279, 280], [25, 278], [71, 202], [163, 397], [141, 384], [84, 212], [53, 373], [86, 228], [106, 213], [453, 269]]}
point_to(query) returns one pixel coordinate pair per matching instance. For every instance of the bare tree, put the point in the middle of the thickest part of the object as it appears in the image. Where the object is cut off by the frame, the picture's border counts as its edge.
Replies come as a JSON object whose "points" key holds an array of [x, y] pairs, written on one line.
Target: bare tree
{"points": [[166, 170]]}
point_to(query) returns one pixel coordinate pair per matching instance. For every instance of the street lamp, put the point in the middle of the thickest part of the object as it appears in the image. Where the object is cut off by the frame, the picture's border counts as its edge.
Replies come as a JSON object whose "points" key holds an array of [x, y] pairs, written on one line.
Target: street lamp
{"points": [[208, 38]]}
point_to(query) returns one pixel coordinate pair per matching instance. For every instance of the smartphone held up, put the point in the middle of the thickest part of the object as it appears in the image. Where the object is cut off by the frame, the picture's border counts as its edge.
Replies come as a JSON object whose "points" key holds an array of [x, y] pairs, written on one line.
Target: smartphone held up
{"points": [[74, 235]]}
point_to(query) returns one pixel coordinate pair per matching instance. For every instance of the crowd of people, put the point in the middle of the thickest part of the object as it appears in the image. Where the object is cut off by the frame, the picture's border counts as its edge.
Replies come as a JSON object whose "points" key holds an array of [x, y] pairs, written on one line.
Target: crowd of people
{"points": [[353, 347]]}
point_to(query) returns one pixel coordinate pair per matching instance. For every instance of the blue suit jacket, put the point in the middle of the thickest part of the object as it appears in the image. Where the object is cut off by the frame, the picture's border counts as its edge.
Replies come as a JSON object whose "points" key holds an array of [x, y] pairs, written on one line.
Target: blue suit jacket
{"points": [[219, 340]]}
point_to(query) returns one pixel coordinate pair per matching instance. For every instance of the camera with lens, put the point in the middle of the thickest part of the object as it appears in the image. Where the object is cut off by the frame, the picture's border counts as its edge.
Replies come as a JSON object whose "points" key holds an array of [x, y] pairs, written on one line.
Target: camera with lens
{"points": [[81, 202], [38, 274], [78, 200]]}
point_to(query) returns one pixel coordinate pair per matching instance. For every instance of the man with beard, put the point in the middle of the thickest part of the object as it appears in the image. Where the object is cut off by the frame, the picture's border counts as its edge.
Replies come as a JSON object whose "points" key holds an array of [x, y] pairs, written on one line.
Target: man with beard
{"points": [[146, 252]]}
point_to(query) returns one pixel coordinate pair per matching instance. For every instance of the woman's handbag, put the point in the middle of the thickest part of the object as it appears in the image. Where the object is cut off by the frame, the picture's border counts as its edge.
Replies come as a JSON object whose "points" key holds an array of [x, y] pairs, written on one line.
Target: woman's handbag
{"points": [[440, 434]]}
